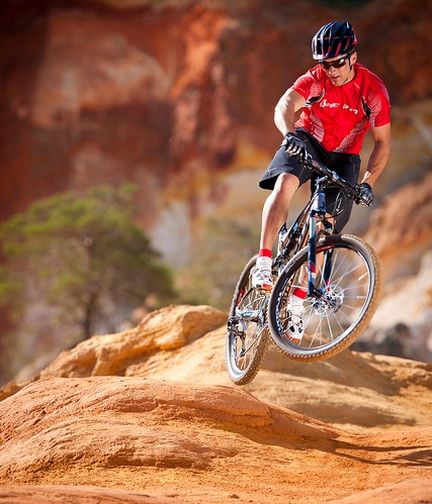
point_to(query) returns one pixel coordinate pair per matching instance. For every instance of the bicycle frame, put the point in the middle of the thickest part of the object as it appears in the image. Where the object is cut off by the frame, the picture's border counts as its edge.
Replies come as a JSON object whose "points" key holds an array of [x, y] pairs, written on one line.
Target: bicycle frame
{"points": [[295, 238], [304, 228]]}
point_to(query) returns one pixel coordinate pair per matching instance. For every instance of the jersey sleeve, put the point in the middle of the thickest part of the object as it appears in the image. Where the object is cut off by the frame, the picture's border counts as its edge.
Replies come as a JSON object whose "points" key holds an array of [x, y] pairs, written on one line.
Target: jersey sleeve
{"points": [[379, 104], [304, 84]]}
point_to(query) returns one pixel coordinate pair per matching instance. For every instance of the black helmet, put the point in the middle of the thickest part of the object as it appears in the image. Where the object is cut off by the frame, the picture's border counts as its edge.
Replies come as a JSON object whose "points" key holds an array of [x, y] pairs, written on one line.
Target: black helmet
{"points": [[333, 39]]}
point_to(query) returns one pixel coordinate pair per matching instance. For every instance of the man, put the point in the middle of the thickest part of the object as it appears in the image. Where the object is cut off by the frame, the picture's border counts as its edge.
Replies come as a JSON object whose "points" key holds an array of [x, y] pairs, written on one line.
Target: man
{"points": [[339, 100]]}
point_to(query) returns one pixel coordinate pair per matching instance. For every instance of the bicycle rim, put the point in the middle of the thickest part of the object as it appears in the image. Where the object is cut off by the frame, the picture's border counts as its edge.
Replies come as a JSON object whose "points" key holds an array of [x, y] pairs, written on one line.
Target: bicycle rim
{"points": [[349, 282], [247, 337]]}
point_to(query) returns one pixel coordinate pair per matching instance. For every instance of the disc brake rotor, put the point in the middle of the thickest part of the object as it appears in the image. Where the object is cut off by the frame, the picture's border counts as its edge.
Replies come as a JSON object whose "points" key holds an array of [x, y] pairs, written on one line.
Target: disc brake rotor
{"points": [[329, 302]]}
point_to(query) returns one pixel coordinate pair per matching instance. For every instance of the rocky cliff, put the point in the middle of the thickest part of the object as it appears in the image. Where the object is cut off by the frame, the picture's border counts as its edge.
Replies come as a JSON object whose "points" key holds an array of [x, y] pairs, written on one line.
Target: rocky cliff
{"points": [[149, 415], [176, 96], [401, 233]]}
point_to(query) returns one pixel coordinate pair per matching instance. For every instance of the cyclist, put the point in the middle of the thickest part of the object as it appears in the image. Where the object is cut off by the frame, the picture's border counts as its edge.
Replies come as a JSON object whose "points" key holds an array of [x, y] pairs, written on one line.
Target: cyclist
{"points": [[339, 100]]}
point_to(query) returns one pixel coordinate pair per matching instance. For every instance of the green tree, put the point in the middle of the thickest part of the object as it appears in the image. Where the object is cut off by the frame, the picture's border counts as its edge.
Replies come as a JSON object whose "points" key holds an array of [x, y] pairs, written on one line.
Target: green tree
{"points": [[80, 262]]}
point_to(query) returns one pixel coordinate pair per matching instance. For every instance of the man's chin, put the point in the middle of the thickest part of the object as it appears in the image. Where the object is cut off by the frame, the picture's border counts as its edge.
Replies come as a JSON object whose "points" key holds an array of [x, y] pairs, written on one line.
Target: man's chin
{"points": [[336, 81]]}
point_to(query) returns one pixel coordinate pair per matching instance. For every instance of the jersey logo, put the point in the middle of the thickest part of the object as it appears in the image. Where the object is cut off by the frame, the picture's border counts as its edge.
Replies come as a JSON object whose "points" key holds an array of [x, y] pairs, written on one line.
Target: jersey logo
{"points": [[325, 103]]}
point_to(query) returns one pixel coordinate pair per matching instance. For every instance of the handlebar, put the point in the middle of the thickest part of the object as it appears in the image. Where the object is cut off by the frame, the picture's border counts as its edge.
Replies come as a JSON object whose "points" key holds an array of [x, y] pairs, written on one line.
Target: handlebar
{"points": [[353, 191]]}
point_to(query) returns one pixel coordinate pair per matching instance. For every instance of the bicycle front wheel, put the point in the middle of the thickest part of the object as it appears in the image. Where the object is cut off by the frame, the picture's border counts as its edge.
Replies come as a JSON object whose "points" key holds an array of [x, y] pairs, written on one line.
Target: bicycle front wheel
{"points": [[248, 335], [348, 288]]}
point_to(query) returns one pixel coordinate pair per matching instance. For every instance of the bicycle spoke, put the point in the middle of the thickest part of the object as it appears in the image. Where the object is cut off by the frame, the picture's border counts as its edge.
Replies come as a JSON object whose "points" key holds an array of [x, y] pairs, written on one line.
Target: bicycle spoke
{"points": [[316, 333], [355, 297], [329, 326], [338, 323], [254, 341], [348, 273], [346, 305], [336, 263], [348, 317]]}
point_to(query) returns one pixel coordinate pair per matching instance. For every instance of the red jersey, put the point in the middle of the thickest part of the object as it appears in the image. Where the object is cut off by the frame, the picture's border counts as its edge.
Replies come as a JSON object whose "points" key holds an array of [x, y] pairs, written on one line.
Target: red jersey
{"points": [[339, 116]]}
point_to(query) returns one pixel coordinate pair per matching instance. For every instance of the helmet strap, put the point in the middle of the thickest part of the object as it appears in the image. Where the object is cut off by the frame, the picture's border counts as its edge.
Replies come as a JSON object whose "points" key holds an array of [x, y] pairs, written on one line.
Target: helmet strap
{"points": [[350, 67]]}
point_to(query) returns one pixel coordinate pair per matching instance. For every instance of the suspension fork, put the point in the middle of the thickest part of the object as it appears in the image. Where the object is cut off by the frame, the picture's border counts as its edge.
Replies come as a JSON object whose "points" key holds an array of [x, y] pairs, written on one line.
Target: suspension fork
{"points": [[328, 255], [318, 212], [311, 270]]}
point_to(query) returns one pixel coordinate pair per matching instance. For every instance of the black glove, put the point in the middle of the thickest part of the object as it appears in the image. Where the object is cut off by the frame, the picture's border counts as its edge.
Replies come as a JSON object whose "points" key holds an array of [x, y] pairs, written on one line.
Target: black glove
{"points": [[294, 146], [366, 194]]}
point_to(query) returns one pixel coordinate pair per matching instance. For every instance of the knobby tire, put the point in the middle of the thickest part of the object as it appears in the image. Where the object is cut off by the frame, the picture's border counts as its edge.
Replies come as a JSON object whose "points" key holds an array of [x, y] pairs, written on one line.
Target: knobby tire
{"points": [[331, 349]]}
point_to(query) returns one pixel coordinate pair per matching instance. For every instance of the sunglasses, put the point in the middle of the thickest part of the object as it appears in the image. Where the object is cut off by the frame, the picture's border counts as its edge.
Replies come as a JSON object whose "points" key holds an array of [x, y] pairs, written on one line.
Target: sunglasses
{"points": [[335, 64]]}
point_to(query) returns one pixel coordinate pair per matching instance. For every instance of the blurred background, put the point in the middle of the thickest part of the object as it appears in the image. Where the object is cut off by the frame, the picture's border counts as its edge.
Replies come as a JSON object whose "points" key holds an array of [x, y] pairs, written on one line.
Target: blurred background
{"points": [[133, 135]]}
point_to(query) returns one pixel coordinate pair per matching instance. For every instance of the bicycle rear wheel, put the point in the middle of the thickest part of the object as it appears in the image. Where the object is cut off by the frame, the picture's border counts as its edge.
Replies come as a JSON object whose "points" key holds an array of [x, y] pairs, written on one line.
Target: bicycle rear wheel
{"points": [[349, 285], [248, 335]]}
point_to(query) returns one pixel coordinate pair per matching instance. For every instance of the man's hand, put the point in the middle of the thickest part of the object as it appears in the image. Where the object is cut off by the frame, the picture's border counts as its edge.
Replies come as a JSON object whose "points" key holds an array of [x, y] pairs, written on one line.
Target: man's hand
{"points": [[295, 147], [366, 194]]}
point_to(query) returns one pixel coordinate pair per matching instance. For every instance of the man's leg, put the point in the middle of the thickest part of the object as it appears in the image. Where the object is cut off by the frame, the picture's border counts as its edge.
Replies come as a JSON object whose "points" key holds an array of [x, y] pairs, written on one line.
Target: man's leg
{"points": [[275, 213], [276, 206]]}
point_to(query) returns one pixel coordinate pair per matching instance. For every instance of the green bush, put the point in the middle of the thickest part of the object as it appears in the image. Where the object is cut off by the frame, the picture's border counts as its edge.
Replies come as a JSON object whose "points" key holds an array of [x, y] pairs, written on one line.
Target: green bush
{"points": [[75, 265]]}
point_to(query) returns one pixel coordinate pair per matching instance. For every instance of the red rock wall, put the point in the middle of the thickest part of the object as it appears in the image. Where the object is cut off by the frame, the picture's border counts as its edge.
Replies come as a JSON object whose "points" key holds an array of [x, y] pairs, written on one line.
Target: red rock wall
{"points": [[92, 93]]}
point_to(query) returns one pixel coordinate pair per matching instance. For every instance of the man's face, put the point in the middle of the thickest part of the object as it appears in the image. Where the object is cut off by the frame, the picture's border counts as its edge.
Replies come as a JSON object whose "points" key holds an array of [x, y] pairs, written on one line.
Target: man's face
{"points": [[339, 74]]}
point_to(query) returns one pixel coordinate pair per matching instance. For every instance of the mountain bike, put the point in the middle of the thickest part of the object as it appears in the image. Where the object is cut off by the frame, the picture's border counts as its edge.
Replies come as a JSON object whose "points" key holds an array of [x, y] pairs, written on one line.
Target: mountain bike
{"points": [[340, 273]]}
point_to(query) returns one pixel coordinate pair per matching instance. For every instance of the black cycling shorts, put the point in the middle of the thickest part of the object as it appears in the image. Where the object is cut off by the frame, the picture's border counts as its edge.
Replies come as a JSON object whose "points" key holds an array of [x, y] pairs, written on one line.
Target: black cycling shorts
{"points": [[345, 165]]}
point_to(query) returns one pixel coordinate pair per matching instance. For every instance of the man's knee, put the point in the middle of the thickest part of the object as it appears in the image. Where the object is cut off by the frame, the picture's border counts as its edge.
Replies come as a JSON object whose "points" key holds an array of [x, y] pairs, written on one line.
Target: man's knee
{"points": [[286, 185]]}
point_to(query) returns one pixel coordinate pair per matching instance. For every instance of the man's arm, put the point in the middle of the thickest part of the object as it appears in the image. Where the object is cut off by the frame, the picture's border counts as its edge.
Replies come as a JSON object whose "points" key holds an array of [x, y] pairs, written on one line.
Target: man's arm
{"points": [[380, 154], [285, 111]]}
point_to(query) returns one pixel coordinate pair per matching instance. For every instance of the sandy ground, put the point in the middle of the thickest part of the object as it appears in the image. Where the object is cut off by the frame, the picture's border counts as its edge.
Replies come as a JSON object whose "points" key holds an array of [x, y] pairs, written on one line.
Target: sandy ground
{"points": [[198, 443], [164, 424]]}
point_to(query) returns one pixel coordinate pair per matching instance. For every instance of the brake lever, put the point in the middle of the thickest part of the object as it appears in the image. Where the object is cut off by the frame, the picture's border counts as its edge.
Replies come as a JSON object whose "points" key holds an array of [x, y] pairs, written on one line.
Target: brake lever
{"points": [[358, 199], [308, 160]]}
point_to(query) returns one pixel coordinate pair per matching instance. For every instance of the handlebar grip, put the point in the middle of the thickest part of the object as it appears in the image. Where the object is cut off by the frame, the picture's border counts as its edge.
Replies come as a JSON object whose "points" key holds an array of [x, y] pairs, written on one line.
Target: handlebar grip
{"points": [[358, 198]]}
